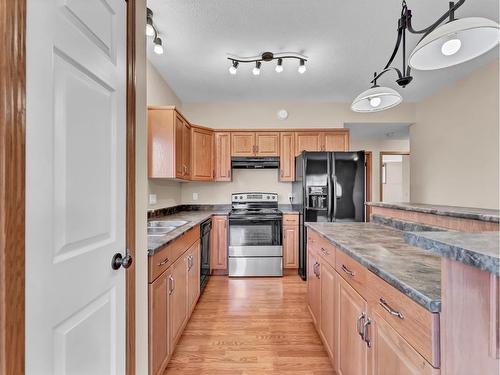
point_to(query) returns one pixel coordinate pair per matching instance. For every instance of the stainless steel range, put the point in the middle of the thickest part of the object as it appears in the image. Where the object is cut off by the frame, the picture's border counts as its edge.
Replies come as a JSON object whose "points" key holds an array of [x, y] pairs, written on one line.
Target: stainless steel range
{"points": [[255, 229]]}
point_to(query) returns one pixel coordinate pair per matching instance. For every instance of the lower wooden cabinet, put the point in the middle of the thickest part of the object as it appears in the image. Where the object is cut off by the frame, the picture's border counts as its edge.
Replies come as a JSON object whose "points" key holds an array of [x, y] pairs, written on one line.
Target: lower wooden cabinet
{"points": [[172, 297], [218, 248], [159, 331], [193, 264], [290, 242], [313, 284], [352, 356], [178, 299], [328, 285], [389, 353]]}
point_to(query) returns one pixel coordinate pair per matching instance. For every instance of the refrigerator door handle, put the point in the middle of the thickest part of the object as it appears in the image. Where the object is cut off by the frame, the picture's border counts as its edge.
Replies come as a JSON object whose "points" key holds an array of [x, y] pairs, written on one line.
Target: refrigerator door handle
{"points": [[334, 197]]}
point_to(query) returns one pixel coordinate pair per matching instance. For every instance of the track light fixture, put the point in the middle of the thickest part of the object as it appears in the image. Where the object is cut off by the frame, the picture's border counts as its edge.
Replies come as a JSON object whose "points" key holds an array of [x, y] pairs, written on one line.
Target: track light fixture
{"points": [[267, 57], [152, 31], [442, 45]]}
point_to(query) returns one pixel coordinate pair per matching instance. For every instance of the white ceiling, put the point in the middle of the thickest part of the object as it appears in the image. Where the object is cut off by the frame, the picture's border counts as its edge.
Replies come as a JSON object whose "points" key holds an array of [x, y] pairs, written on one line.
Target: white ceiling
{"points": [[346, 41], [363, 131]]}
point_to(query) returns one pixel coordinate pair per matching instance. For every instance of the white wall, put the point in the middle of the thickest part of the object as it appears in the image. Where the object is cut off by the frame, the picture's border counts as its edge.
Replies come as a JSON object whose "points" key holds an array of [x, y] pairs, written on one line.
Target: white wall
{"points": [[243, 180], [305, 114], [159, 92], [455, 143]]}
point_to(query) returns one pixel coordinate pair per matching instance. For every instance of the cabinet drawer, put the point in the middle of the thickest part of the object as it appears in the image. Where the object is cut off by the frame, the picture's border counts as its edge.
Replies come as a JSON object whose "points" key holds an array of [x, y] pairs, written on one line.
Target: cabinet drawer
{"points": [[290, 219], [327, 251], [414, 323], [352, 272], [164, 258]]}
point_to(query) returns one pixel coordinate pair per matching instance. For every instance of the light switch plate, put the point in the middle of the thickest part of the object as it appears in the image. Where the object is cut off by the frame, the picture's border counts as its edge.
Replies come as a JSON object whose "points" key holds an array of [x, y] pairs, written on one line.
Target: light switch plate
{"points": [[152, 199], [195, 196]]}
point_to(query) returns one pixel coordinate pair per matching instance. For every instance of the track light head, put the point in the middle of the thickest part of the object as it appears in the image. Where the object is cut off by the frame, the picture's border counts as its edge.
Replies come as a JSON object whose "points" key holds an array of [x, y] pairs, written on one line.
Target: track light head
{"points": [[256, 70], [302, 67], [234, 67], [158, 48], [150, 29], [279, 66]]}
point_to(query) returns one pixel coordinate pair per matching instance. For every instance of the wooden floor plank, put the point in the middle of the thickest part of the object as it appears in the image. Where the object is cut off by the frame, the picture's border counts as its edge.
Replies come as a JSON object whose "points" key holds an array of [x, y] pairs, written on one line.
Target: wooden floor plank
{"points": [[251, 326]]}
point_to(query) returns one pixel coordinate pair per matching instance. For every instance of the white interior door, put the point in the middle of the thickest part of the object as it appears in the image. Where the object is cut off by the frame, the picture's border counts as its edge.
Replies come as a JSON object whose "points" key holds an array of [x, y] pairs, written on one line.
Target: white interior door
{"points": [[75, 186]]}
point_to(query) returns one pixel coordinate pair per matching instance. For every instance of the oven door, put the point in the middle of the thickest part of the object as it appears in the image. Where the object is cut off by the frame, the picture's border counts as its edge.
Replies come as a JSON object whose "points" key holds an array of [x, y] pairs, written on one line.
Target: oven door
{"points": [[255, 236]]}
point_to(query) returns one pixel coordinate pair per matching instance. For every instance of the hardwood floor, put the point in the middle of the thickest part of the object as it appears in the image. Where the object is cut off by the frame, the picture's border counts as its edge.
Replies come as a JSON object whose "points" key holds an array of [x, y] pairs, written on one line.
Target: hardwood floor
{"points": [[251, 326]]}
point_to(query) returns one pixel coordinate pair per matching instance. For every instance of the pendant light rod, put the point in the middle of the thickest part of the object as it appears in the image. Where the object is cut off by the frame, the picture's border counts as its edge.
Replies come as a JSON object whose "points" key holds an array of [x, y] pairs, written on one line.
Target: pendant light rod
{"points": [[450, 14]]}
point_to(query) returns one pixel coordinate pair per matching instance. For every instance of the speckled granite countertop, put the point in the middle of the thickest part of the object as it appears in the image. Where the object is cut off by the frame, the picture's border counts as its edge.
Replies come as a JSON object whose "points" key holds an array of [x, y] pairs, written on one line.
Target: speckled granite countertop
{"points": [[383, 251], [194, 218], [452, 211], [481, 250]]}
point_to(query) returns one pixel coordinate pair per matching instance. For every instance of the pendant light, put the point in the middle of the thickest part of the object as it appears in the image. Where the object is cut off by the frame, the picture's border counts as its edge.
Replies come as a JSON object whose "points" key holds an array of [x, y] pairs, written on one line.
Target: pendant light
{"points": [[455, 42], [442, 45], [375, 99]]}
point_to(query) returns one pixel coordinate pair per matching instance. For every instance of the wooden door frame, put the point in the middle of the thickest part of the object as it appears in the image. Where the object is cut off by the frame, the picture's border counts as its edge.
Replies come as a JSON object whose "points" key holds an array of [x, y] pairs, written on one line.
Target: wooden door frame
{"points": [[13, 186], [368, 183], [381, 158]]}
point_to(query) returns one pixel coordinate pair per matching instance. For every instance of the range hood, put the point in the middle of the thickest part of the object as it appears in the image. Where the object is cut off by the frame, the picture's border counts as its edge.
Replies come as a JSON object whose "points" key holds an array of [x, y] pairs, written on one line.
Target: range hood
{"points": [[255, 162]]}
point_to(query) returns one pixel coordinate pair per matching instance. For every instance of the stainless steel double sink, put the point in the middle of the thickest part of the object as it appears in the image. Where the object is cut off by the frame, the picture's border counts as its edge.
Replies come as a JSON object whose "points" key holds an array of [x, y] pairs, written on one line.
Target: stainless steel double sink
{"points": [[157, 228]]}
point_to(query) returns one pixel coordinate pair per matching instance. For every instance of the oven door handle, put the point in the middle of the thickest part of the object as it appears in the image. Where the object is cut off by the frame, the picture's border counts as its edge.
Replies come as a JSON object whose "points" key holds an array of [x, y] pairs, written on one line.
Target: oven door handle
{"points": [[254, 219]]}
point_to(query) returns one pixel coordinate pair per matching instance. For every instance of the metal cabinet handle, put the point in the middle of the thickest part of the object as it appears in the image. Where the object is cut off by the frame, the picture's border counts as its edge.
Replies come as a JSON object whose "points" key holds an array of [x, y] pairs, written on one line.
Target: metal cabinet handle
{"points": [[325, 251], [171, 283], [318, 275], [347, 270], [164, 261], [358, 324], [365, 333], [389, 309]]}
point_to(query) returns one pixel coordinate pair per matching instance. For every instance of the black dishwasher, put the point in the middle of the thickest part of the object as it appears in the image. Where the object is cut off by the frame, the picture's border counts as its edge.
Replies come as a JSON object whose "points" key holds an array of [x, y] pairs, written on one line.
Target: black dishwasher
{"points": [[205, 228]]}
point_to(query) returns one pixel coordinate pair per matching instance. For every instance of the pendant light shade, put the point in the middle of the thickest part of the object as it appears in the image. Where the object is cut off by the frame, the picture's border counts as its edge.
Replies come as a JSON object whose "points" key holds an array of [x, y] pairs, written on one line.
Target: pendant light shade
{"points": [[455, 42], [376, 99]]}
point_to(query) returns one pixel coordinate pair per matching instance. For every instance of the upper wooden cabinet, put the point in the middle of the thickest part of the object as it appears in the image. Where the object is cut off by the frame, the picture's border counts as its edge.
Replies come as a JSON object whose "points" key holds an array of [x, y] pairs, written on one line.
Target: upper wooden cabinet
{"points": [[202, 160], [331, 140], [255, 143], [169, 144], [287, 156], [242, 144], [267, 144], [222, 157], [307, 141]]}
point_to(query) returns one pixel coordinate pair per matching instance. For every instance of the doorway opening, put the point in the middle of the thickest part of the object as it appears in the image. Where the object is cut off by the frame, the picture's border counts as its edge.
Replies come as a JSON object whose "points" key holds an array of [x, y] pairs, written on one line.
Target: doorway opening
{"points": [[394, 176]]}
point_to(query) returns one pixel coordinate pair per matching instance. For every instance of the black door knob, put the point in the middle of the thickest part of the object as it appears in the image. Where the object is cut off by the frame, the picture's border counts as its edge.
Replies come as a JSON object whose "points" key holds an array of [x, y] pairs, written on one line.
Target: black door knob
{"points": [[121, 261]]}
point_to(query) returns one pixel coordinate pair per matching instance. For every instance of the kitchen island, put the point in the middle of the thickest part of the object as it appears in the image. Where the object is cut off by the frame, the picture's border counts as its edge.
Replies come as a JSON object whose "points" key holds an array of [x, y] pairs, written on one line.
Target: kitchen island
{"points": [[422, 292]]}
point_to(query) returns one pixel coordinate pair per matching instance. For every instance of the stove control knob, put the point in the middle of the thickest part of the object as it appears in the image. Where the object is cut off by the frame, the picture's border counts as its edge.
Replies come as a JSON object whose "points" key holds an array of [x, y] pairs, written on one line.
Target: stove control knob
{"points": [[268, 197]]}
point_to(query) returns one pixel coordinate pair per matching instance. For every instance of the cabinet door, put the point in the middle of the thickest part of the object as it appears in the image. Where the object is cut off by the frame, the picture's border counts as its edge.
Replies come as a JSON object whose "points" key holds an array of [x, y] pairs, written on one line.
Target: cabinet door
{"points": [[352, 349], [290, 246], [218, 248], [336, 141], [178, 141], [313, 285], [391, 354], [287, 157], [307, 141], [158, 324], [193, 275], [186, 150], [328, 282], [242, 144], [267, 144], [202, 154], [222, 156], [178, 299]]}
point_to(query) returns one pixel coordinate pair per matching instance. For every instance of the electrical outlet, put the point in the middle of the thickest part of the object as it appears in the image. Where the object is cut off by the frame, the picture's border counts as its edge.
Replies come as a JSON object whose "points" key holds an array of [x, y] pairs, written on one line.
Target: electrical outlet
{"points": [[152, 199], [195, 196]]}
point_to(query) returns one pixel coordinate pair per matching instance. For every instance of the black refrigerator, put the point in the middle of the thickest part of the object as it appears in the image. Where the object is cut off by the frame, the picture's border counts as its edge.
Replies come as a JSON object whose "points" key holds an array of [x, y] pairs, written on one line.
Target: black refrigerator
{"points": [[329, 186]]}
